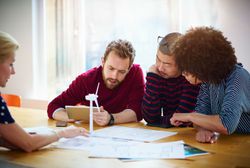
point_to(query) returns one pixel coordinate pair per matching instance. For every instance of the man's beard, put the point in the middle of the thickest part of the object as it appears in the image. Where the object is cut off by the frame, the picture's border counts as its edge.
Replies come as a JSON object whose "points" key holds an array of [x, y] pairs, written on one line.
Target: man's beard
{"points": [[111, 83]]}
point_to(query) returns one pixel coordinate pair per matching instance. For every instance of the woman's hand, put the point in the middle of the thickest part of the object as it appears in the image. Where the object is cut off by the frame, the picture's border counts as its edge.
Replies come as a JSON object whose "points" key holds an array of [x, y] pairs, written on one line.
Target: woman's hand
{"points": [[206, 136], [71, 132]]}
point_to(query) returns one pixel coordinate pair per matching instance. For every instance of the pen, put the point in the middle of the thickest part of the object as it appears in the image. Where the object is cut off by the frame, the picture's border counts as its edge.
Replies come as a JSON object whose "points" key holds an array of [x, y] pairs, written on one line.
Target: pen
{"points": [[32, 133], [97, 88], [96, 102]]}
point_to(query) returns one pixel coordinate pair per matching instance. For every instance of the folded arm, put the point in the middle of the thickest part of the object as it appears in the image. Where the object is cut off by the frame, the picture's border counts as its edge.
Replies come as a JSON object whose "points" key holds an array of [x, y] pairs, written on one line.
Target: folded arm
{"points": [[208, 122]]}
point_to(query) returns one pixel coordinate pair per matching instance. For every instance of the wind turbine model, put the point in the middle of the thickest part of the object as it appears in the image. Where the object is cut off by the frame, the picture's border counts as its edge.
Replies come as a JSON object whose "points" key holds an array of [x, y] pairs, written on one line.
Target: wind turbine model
{"points": [[92, 97]]}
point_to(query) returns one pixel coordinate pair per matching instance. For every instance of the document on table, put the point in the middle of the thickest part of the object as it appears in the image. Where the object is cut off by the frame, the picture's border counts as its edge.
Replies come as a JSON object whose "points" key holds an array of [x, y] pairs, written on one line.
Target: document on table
{"points": [[121, 142], [84, 143], [140, 150], [136, 134], [39, 130], [111, 148]]}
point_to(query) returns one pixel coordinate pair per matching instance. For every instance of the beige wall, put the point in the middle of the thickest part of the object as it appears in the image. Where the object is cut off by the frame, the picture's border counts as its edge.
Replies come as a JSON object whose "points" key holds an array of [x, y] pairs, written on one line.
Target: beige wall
{"points": [[16, 19], [234, 21]]}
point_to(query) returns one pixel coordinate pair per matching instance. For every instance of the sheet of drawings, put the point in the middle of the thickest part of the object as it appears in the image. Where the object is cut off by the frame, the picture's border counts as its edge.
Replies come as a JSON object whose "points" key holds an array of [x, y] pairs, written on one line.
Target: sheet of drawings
{"points": [[111, 148], [86, 143], [140, 150], [136, 134], [121, 142]]}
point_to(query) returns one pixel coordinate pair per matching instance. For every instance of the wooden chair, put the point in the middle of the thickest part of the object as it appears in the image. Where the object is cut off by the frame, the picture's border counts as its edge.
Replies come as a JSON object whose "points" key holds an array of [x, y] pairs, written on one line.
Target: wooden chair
{"points": [[12, 100]]}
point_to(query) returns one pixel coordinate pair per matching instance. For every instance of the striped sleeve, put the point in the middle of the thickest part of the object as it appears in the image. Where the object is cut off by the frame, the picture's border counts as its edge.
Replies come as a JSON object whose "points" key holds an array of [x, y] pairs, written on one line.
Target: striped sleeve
{"points": [[231, 111], [203, 104], [151, 106], [188, 98]]}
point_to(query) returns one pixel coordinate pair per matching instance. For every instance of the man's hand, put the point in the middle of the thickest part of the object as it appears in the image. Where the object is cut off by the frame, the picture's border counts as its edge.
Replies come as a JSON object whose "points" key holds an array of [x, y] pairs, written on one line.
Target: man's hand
{"points": [[180, 118], [62, 116], [206, 136], [153, 69], [101, 118]]}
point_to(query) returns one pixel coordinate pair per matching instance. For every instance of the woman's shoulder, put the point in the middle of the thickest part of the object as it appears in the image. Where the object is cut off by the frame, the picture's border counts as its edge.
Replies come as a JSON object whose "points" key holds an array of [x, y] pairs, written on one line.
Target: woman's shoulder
{"points": [[2, 102], [5, 117], [239, 73]]}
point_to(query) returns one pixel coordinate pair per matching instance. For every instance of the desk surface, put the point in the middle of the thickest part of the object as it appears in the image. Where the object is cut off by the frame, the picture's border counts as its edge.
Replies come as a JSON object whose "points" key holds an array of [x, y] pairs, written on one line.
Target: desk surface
{"points": [[230, 151]]}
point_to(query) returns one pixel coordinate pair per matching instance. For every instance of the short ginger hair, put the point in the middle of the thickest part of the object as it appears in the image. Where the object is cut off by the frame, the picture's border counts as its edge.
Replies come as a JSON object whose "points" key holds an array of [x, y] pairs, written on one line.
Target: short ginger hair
{"points": [[123, 48]]}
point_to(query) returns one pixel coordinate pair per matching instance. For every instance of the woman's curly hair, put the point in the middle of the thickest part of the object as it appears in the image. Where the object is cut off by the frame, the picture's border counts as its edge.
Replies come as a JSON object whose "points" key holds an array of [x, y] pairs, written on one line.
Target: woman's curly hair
{"points": [[205, 53]]}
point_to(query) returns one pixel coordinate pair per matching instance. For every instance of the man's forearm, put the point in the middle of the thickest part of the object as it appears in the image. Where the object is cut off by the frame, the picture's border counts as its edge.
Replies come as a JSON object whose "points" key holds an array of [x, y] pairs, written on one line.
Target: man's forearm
{"points": [[125, 116]]}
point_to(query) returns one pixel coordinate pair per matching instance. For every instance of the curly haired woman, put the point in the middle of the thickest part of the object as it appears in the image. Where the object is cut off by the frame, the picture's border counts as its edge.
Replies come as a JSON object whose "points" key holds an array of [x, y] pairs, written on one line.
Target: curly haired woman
{"points": [[205, 56]]}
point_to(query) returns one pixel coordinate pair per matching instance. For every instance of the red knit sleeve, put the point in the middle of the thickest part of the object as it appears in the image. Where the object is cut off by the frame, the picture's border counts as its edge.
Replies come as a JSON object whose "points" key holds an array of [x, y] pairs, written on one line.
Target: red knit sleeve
{"points": [[72, 96], [136, 92]]}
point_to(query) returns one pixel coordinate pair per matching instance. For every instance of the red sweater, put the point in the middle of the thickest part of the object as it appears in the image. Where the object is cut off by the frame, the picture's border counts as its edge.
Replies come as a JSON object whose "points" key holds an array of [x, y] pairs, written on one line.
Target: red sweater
{"points": [[128, 95]]}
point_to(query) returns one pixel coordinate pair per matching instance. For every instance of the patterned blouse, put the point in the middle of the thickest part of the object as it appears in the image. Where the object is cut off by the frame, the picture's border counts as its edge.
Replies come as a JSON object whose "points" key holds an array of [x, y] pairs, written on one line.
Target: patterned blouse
{"points": [[230, 100], [5, 116]]}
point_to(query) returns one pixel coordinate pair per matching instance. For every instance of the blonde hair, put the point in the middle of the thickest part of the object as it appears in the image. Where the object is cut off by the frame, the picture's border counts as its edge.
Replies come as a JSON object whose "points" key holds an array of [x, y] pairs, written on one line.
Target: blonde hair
{"points": [[7, 45]]}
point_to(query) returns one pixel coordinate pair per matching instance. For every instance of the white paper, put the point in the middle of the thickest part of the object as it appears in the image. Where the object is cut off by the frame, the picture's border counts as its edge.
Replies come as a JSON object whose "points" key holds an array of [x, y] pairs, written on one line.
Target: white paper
{"points": [[110, 148], [136, 134], [79, 143], [140, 150], [86, 143], [39, 130]]}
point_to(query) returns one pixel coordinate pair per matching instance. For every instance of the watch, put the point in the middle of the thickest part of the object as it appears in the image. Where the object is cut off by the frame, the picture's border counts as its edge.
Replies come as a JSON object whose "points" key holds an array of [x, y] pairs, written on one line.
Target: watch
{"points": [[112, 120]]}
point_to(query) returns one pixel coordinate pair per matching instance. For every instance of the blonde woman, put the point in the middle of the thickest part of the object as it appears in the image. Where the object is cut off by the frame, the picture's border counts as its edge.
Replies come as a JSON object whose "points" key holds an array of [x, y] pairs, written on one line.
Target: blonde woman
{"points": [[12, 136]]}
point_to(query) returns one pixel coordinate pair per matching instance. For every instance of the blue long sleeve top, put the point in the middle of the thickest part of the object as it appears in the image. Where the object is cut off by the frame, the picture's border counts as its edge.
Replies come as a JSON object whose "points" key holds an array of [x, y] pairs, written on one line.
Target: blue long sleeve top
{"points": [[230, 100]]}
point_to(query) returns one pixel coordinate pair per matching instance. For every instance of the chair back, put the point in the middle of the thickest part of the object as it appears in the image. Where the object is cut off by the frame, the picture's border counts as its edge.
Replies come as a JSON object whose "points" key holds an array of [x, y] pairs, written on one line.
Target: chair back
{"points": [[12, 100]]}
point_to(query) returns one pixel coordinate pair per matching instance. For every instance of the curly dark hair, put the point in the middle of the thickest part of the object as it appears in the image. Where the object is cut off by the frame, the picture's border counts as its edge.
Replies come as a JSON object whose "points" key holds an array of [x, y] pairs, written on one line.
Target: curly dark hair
{"points": [[205, 53], [123, 48]]}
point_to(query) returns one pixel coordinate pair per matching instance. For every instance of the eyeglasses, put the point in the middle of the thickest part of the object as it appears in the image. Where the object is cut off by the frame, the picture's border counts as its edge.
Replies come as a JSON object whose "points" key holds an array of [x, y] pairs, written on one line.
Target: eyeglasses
{"points": [[161, 41], [159, 38]]}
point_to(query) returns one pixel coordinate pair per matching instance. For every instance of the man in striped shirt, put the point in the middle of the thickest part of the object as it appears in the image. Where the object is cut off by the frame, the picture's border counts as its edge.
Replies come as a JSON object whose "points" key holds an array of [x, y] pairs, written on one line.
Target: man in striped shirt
{"points": [[167, 91], [223, 105]]}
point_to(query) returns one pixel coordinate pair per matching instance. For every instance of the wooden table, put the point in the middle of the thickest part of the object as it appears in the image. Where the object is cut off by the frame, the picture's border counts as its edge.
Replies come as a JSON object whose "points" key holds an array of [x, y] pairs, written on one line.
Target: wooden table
{"points": [[229, 152]]}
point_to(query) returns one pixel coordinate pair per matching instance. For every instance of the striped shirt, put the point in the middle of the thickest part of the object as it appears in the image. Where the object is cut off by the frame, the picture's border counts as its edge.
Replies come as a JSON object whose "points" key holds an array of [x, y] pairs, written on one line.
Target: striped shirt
{"points": [[164, 97], [230, 100]]}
